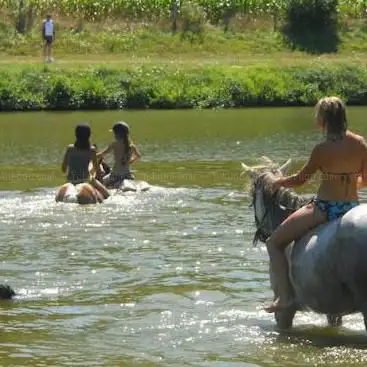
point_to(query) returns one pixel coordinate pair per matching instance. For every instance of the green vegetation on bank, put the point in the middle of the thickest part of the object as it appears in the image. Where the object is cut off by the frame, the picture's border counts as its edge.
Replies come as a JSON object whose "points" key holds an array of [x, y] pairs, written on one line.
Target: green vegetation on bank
{"points": [[157, 9], [145, 27], [131, 61], [99, 87]]}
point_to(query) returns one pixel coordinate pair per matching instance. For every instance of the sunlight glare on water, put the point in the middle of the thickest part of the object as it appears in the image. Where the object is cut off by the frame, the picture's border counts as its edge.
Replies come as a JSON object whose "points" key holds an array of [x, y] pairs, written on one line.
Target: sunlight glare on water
{"points": [[168, 277]]}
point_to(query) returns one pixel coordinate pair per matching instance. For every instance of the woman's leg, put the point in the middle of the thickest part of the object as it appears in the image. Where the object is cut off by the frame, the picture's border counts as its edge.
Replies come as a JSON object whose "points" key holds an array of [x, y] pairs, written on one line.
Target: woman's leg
{"points": [[108, 180], [296, 225], [100, 188]]}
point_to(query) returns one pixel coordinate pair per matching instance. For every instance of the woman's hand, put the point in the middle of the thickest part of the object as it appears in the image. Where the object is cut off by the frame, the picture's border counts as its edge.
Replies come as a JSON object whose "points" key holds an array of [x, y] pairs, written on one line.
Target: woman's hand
{"points": [[278, 183], [360, 183]]}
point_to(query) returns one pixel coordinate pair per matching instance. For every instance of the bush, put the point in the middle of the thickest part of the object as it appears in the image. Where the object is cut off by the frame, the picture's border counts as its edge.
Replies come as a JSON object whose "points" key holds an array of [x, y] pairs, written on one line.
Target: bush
{"points": [[33, 88], [193, 21], [311, 25]]}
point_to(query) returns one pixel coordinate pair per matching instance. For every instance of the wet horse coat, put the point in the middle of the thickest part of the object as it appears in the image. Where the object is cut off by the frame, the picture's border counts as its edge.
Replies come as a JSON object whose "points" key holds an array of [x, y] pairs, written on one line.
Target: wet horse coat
{"points": [[328, 265], [82, 193]]}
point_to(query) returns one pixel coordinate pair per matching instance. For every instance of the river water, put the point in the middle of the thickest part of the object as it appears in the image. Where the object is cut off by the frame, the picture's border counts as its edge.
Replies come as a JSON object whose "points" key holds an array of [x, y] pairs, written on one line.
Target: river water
{"points": [[163, 278]]}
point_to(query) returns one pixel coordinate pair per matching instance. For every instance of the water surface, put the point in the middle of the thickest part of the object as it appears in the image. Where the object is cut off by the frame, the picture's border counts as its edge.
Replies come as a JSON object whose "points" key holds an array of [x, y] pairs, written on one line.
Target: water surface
{"points": [[163, 278]]}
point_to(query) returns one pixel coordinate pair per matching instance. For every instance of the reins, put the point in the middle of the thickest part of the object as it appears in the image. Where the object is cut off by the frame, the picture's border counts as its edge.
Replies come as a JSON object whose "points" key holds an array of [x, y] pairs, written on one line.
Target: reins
{"points": [[261, 234]]}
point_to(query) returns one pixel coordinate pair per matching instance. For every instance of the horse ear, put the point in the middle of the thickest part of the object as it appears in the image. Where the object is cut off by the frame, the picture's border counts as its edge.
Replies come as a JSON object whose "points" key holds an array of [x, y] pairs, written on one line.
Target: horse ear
{"points": [[266, 159], [247, 170], [284, 168]]}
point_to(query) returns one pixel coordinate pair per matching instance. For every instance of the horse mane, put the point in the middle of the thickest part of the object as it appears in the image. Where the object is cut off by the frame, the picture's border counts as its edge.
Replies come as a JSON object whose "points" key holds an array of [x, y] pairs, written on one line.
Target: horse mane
{"points": [[280, 202], [267, 173], [285, 197]]}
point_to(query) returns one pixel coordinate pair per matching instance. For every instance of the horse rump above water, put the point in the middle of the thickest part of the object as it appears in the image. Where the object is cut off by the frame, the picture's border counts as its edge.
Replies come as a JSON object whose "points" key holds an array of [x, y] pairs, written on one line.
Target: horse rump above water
{"points": [[328, 265], [82, 193], [85, 193], [131, 185]]}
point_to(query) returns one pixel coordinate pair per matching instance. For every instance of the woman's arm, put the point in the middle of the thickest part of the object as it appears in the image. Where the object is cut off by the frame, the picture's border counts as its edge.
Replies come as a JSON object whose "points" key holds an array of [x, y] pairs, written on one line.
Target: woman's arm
{"points": [[362, 179], [93, 164], [65, 160], [306, 172], [105, 151], [135, 154]]}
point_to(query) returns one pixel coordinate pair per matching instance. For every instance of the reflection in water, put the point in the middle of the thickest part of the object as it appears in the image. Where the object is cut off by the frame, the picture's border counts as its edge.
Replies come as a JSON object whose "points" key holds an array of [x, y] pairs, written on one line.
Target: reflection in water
{"points": [[163, 278]]}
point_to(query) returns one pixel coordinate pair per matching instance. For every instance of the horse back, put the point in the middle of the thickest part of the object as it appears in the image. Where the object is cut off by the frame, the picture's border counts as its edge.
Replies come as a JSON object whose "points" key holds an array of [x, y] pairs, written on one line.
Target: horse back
{"points": [[329, 261]]}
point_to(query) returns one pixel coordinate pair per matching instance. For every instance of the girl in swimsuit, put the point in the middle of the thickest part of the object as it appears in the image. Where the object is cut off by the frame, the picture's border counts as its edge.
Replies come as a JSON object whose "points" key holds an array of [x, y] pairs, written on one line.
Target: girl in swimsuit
{"points": [[125, 153], [342, 160], [76, 163]]}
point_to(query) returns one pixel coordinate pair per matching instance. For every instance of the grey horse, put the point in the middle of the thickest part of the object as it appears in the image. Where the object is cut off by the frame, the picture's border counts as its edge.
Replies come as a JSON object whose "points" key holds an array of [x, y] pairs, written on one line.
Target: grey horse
{"points": [[328, 265]]}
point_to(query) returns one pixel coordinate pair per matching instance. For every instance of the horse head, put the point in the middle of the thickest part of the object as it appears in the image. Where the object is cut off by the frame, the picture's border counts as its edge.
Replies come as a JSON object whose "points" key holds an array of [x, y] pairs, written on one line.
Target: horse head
{"points": [[6, 292], [271, 206]]}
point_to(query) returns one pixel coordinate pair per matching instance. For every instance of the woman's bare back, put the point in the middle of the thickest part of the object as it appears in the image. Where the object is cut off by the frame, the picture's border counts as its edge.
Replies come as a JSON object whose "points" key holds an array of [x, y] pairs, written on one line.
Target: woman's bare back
{"points": [[121, 163], [341, 164]]}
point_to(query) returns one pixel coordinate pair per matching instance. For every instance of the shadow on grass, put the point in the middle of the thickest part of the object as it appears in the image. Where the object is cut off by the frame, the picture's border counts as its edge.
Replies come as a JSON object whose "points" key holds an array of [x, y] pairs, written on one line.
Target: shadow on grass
{"points": [[312, 42]]}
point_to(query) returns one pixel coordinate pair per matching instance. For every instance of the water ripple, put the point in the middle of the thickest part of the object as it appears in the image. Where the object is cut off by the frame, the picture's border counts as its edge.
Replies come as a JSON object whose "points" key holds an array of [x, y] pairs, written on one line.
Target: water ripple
{"points": [[168, 277]]}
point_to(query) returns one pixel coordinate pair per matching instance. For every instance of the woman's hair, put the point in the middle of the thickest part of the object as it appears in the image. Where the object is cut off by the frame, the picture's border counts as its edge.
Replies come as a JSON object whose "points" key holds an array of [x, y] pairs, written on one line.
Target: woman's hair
{"points": [[82, 135], [331, 112], [121, 131]]}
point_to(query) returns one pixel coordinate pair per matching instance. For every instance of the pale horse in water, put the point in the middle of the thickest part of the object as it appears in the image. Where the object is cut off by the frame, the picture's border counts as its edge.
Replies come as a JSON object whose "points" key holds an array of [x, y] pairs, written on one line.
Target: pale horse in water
{"points": [[83, 193], [328, 265]]}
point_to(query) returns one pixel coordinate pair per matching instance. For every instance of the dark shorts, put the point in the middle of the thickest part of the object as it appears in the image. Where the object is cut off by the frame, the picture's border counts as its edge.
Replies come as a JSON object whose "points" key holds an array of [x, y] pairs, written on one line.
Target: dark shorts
{"points": [[48, 39], [335, 209], [115, 180]]}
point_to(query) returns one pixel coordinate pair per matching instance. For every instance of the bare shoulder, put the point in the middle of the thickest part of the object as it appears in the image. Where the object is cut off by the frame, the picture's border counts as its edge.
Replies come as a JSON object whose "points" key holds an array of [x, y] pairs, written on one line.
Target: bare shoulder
{"points": [[319, 148], [355, 137]]}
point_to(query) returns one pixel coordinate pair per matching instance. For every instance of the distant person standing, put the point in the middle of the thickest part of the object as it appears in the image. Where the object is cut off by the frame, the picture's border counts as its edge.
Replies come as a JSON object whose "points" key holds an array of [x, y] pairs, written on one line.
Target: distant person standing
{"points": [[48, 35]]}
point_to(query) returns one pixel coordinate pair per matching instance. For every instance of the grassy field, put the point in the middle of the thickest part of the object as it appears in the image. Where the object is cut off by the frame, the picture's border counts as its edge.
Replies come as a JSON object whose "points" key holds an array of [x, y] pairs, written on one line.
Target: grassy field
{"points": [[126, 41], [145, 47], [143, 65]]}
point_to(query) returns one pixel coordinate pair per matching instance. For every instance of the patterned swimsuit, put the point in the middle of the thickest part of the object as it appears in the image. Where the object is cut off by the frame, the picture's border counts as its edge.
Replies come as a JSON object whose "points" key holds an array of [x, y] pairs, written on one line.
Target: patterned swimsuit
{"points": [[337, 208]]}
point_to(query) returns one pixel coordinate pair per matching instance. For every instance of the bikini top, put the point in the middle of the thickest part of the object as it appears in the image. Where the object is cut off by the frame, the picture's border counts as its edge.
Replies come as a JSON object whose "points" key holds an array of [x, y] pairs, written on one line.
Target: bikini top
{"points": [[345, 177]]}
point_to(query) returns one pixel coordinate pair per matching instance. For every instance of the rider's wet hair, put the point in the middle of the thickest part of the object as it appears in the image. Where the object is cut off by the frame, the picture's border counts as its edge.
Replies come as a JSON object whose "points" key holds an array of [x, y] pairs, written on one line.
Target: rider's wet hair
{"points": [[122, 132], [82, 135], [331, 112]]}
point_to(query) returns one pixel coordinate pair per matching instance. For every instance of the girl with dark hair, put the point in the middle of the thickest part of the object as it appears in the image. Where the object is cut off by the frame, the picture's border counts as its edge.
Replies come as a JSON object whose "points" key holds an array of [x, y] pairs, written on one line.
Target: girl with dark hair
{"points": [[342, 160], [78, 155], [80, 163], [125, 153]]}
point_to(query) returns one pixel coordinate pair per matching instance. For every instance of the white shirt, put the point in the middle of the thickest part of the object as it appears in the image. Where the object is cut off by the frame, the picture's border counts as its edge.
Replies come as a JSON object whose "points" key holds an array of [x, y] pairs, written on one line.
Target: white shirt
{"points": [[49, 27]]}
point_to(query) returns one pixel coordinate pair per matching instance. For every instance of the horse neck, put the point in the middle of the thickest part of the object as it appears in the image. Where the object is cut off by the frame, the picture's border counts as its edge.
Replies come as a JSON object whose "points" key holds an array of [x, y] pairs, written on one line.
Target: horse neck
{"points": [[291, 200], [285, 203]]}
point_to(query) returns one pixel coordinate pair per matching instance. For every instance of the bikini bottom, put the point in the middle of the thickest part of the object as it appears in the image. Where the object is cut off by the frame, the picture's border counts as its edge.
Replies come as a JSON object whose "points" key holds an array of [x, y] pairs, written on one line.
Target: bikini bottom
{"points": [[335, 209]]}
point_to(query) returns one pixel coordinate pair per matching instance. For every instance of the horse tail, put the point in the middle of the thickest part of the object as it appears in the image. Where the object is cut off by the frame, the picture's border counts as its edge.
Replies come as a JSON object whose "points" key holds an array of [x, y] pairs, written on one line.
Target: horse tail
{"points": [[71, 195]]}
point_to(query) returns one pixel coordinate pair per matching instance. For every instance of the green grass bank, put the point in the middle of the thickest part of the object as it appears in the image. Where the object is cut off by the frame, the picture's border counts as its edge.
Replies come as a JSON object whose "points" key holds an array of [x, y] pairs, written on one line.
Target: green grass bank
{"points": [[121, 64], [27, 88]]}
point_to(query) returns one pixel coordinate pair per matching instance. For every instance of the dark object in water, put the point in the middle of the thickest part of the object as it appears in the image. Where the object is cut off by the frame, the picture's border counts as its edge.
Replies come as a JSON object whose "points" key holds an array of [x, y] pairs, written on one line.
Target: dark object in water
{"points": [[6, 292]]}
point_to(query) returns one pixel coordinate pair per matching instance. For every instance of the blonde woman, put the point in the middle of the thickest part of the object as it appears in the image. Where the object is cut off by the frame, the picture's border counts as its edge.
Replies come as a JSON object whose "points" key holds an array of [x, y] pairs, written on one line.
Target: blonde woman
{"points": [[342, 160]]}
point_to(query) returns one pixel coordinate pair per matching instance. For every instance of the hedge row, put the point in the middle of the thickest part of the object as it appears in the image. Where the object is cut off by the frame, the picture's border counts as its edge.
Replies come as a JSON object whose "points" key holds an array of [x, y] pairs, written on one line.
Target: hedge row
{"points": [[162, 88]]}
